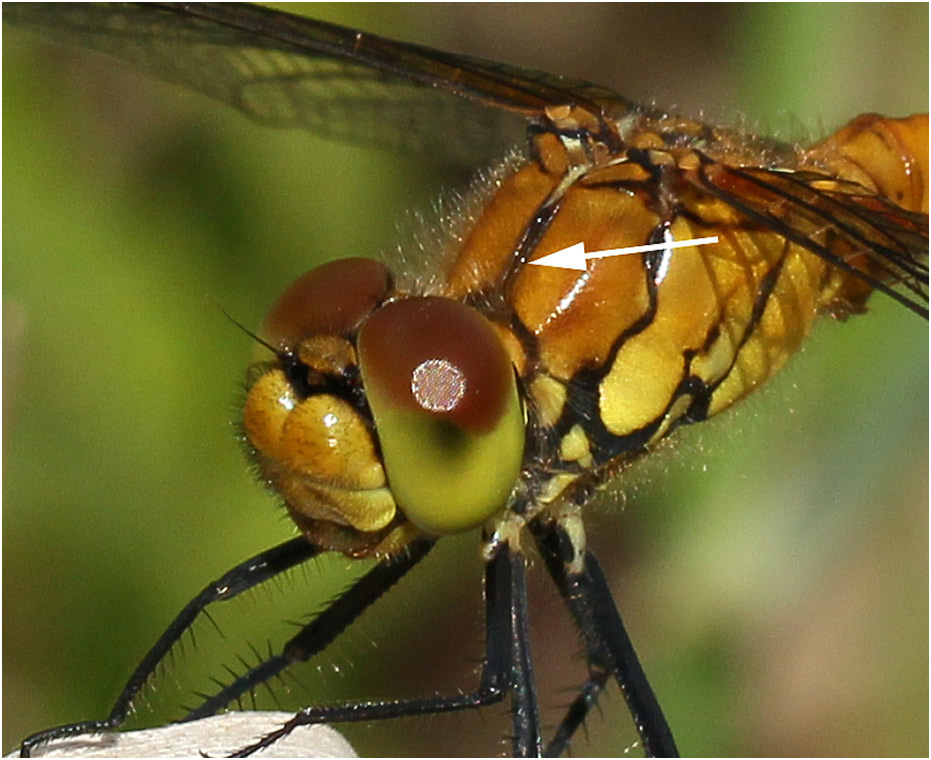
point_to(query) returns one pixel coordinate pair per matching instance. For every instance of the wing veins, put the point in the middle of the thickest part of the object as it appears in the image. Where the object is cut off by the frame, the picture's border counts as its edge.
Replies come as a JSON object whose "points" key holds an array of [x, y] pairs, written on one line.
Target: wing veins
{"points": [[898, 258], [776, 224]]}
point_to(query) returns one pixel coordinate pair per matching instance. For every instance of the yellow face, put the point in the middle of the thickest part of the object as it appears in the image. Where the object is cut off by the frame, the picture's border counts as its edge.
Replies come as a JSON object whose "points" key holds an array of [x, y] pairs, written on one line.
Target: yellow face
{"points": [[382, 420]]}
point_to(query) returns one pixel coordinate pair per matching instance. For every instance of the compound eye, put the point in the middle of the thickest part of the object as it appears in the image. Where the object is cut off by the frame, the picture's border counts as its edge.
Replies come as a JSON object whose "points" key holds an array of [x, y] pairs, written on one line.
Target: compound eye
{"points": [[447, 413], [329, 300]]}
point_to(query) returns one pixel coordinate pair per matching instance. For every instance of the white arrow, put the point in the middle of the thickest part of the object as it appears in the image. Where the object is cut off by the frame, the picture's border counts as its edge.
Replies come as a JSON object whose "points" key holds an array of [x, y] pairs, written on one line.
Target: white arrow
{"points": [[574, 256]]}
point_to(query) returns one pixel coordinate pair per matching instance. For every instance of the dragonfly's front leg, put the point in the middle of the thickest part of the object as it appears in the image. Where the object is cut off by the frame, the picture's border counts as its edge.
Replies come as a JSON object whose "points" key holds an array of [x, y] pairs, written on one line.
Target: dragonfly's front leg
{"points": [[244, 576], [506, 668]]}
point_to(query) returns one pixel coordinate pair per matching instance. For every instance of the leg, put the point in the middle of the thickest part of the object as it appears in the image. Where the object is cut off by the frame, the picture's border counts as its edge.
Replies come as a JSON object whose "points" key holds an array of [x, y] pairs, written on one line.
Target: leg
{"points": [[244, 576], [320, 632], [607, 644], [525, 725], [506, 667], [576, 713]]}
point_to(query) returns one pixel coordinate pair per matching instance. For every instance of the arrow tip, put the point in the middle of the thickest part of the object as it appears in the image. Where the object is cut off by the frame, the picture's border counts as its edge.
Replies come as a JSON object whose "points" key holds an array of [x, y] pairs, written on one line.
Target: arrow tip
{"points": [[571, 257]]}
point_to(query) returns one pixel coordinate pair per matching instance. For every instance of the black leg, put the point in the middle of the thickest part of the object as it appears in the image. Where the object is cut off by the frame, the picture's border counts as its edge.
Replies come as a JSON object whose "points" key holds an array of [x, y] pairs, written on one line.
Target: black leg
{"points": [[505, 622], [246, 575], [525, 731], [589, 600], [321, 631], [576, 713]]}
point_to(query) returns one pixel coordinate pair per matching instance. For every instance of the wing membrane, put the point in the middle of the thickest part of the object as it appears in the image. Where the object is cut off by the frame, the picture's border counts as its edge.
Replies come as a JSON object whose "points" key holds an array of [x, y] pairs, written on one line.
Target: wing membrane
{"points": [[291, 72]]}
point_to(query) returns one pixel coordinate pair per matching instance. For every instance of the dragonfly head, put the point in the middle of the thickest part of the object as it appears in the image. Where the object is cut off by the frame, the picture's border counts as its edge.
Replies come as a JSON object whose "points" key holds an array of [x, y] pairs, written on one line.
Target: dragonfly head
{"points": [[382, 418]]}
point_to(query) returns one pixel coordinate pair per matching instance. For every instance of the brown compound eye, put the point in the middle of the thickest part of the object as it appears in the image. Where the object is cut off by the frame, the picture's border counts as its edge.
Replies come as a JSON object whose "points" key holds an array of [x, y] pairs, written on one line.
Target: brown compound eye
{"points": [[329, 300], [444, 397]]}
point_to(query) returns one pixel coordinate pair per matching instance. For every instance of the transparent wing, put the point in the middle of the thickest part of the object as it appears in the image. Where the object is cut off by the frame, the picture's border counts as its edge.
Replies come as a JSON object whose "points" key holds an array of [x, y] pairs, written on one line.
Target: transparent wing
{"points": [[291, 72]]}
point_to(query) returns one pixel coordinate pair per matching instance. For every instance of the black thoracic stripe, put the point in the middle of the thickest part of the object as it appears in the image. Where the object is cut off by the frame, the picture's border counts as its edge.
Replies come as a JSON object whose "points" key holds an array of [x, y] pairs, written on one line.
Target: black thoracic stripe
{"points": [[582, 403], [697, 412], [582, 389], [493, 297], [605, 445], [582, 397], [641, 158]]}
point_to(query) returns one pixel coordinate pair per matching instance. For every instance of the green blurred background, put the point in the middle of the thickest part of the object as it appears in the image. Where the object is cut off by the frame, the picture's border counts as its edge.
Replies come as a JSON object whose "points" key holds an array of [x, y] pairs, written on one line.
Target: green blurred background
{"points": [[772, 565]]}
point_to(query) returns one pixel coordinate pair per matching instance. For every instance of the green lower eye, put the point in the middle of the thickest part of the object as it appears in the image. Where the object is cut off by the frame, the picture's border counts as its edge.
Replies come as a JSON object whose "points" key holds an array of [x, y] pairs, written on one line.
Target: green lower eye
{"points": [[447, 480], [447, 411]]}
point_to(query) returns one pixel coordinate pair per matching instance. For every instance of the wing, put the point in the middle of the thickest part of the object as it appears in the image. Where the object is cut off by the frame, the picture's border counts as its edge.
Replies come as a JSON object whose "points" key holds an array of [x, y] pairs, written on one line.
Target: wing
{"points": [[880, 243], [291, 72]]}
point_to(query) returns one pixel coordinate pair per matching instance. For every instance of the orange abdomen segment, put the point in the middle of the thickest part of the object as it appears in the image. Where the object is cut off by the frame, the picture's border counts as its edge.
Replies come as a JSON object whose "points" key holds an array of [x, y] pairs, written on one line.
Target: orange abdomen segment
{"points": [[888, 155]]}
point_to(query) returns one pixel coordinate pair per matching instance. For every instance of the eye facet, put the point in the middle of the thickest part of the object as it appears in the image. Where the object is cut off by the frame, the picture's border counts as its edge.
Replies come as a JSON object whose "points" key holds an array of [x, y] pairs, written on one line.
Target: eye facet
{"points": [[449, 420], [329, 300]]}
